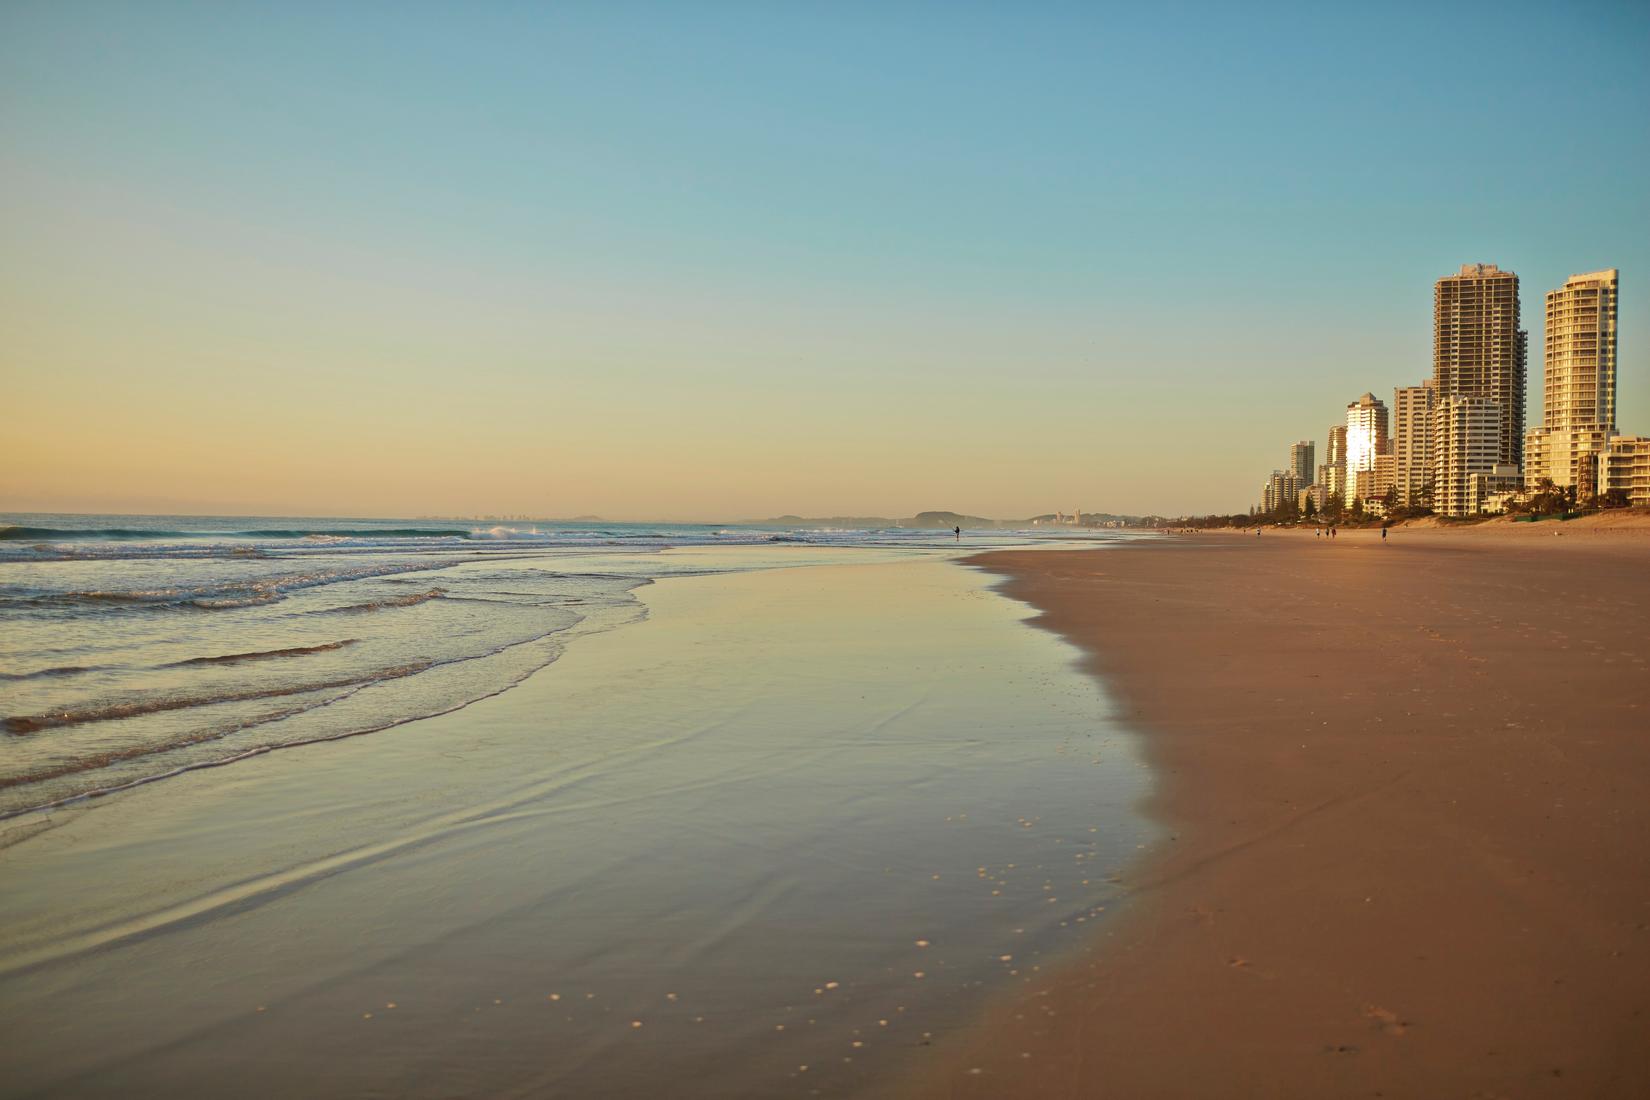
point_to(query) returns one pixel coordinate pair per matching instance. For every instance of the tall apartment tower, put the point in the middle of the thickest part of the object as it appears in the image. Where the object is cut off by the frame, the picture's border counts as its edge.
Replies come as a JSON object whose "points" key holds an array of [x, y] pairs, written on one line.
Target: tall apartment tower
{"points": [[1412, 441], [1303, 460], [1333, 475], [1478, 348], [1578, 411], [1283, 487], [1366, 441]]}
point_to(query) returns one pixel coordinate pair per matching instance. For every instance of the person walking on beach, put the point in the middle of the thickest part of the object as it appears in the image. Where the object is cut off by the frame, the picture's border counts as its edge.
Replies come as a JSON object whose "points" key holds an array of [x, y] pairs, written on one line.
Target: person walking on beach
{"points": [[1383, 534], [958, 532]]}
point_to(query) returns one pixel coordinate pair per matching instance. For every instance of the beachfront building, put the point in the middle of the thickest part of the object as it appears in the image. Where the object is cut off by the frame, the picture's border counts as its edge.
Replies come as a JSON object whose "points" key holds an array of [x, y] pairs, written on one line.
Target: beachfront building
{"points": [[1303, 457], [1332, 475], [1366, 441], [1385, 475], [1466, 448], [1412, 441], [1479, 351], [1624, 467], [1578, 411], [1495, 491], [1281, 489]]}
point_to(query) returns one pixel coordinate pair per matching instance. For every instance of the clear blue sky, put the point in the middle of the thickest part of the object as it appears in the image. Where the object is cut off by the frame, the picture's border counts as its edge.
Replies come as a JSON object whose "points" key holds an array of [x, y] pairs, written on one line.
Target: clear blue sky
{"points": [[720, 260]]}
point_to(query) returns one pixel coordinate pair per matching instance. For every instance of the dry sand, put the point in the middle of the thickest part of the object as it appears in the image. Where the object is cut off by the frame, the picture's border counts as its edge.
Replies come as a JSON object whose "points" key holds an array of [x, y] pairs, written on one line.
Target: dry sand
{"points": [[1408, 789]]}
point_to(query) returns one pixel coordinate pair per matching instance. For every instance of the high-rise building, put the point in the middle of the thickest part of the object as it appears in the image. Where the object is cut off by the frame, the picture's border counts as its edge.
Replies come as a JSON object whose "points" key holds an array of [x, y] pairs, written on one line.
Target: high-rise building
{"points": [[1578, 411], [1333, 474], [1479, 350], [1282, 488], [1579, 386], [1335, 449], [1366, 439], [1385, 476], [1412, 441], [1303, 458], [1466, 446]]}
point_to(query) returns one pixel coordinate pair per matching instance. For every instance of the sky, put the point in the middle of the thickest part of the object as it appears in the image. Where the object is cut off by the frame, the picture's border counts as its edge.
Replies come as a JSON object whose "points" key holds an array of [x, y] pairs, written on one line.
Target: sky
{"points": [[731, 260]]}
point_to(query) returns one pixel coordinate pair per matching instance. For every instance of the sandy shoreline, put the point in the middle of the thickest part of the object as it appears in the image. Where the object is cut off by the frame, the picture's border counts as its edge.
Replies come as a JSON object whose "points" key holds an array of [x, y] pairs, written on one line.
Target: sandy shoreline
{"points": [[1407, 787]]}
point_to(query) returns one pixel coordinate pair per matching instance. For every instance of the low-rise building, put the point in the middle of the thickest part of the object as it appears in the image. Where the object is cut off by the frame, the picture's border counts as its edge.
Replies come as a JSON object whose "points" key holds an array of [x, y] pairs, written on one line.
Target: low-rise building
{"points": [[1490, 493], [1466, 443], [1624, 467], [1566, 457]]}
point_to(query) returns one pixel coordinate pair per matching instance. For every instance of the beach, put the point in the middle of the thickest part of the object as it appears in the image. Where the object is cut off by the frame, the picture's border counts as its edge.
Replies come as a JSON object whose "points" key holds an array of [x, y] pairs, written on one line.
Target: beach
{"points": [[1183, 816], [1406, 790]]}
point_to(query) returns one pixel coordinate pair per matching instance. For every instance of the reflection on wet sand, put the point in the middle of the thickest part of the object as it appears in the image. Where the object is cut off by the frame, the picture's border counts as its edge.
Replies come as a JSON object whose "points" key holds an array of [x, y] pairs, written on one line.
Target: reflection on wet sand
{"points": [[778, 839]]}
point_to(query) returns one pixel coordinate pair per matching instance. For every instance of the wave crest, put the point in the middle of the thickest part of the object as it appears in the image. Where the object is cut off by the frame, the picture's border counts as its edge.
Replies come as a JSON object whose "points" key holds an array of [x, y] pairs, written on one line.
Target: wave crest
{"points": [[262, 654]]}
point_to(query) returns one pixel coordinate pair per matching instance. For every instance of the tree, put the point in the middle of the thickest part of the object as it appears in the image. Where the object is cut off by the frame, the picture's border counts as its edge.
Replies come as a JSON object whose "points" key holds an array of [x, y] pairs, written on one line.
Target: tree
{"points": [[1311, 508]]}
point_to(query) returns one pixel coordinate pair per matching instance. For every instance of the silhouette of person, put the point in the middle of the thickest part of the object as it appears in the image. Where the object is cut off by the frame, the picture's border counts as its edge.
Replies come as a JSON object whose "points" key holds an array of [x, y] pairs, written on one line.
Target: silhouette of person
{"points": [[958, 532]]}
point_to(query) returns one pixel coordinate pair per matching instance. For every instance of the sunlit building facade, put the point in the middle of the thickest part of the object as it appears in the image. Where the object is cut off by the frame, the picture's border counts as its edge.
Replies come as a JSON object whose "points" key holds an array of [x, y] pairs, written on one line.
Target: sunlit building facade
{"points": [[1303, 458], [1282, 488], [1480, 351], [1366, 441], [1412, 441], [1624, 467], [1385, 475], [1578, 412], [1332, 475], [1466, 446]]}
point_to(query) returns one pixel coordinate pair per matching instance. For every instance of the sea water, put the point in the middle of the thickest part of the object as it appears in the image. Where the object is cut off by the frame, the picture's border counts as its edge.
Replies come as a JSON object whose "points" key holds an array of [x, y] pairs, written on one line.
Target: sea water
{"points": [[133, 648], [783, 814]]}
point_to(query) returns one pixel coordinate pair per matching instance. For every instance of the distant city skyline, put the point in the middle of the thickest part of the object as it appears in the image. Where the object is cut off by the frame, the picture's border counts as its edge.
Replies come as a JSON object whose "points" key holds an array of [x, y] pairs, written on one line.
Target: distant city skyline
{"points": [[714, 262], [1457, 444]]}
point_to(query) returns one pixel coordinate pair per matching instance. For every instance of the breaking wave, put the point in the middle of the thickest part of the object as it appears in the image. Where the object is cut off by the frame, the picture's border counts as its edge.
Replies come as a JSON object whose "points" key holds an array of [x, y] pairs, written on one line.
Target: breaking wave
{"points": [[412, 599], [21, 725], [262, 654]]}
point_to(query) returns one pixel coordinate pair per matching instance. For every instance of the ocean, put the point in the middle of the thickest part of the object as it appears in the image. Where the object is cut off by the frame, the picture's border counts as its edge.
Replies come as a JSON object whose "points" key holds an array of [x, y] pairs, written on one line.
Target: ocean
{"points": [[133, 648], [569, 809]]}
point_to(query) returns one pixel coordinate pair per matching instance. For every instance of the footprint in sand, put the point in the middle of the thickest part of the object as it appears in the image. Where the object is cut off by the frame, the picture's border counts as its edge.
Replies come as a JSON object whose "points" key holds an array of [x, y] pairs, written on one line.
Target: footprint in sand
{"points": [[1386, 1020], [1238, 963]]}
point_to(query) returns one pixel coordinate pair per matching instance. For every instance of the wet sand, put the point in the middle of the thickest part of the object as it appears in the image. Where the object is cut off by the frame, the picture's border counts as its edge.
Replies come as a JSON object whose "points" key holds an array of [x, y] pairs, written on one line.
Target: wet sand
{"points": [[1407, 789], [802, 817]]}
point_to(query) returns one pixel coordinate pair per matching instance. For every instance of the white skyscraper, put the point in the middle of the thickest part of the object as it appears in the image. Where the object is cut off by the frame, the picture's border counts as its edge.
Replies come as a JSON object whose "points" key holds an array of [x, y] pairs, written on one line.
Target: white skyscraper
{"points": [[1578, 413], [1366, 440]]}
